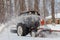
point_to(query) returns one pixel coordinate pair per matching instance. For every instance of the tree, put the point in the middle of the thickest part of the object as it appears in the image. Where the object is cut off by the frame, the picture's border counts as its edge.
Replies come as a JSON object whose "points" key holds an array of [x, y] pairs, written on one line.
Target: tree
{"points": [[44, 7], [17, 7], [2, 15], [22, 5], [52, 10], [36, 4]]}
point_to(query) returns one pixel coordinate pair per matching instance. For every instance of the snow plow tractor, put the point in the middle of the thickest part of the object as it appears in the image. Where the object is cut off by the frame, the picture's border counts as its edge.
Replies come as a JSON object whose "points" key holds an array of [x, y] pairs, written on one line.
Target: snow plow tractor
{"points": [[29, 23]]}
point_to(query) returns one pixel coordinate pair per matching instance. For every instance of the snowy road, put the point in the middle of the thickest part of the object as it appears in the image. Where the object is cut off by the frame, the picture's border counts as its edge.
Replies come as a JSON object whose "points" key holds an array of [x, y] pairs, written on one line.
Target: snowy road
{"points": [[8, 35]]}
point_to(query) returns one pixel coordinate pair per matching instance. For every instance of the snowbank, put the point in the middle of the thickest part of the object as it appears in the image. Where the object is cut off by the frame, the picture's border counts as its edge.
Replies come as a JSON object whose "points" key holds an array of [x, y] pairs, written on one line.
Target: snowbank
{"points": [[1, 27], [53, 27]]}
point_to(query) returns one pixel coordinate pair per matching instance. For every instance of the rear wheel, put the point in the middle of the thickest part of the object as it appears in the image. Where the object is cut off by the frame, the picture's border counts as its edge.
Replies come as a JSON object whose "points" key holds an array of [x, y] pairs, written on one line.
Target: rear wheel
{"points": [[22, 30], [33, 33], [19, 31]]}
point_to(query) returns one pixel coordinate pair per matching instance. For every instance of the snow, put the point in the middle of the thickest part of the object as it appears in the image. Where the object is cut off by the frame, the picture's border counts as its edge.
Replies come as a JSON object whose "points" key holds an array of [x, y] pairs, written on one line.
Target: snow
{"points": [[56, 16], [14, 21], [1, 27], [52, 26]]}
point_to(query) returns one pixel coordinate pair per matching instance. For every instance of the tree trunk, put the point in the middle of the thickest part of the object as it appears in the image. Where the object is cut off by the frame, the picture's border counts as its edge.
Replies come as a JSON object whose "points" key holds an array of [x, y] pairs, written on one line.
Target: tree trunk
{"points": [[36, 4], [2, 15], [17, 7], [53, 13], [44, 9], [22, 5]]}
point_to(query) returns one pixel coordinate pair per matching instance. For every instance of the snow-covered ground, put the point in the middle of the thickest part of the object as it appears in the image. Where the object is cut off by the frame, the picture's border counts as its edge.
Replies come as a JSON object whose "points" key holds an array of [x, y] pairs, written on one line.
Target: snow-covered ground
{"points": [[6, 34], [2, 27], [52, 26]]}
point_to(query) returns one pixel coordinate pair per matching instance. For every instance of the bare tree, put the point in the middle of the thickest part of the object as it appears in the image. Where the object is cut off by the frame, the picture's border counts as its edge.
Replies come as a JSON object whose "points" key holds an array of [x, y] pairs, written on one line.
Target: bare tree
{"points": [[17, 7], [44, 7], [2, 15], [52, 10], [22, 5], [30, 4], [36, 4], [8, 9]]}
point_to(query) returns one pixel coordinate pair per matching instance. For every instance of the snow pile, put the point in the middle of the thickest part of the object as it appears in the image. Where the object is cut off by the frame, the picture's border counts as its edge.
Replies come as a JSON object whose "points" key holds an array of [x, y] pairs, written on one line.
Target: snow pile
{"points": [[51, 26], [54, 27], [1, 27]]}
